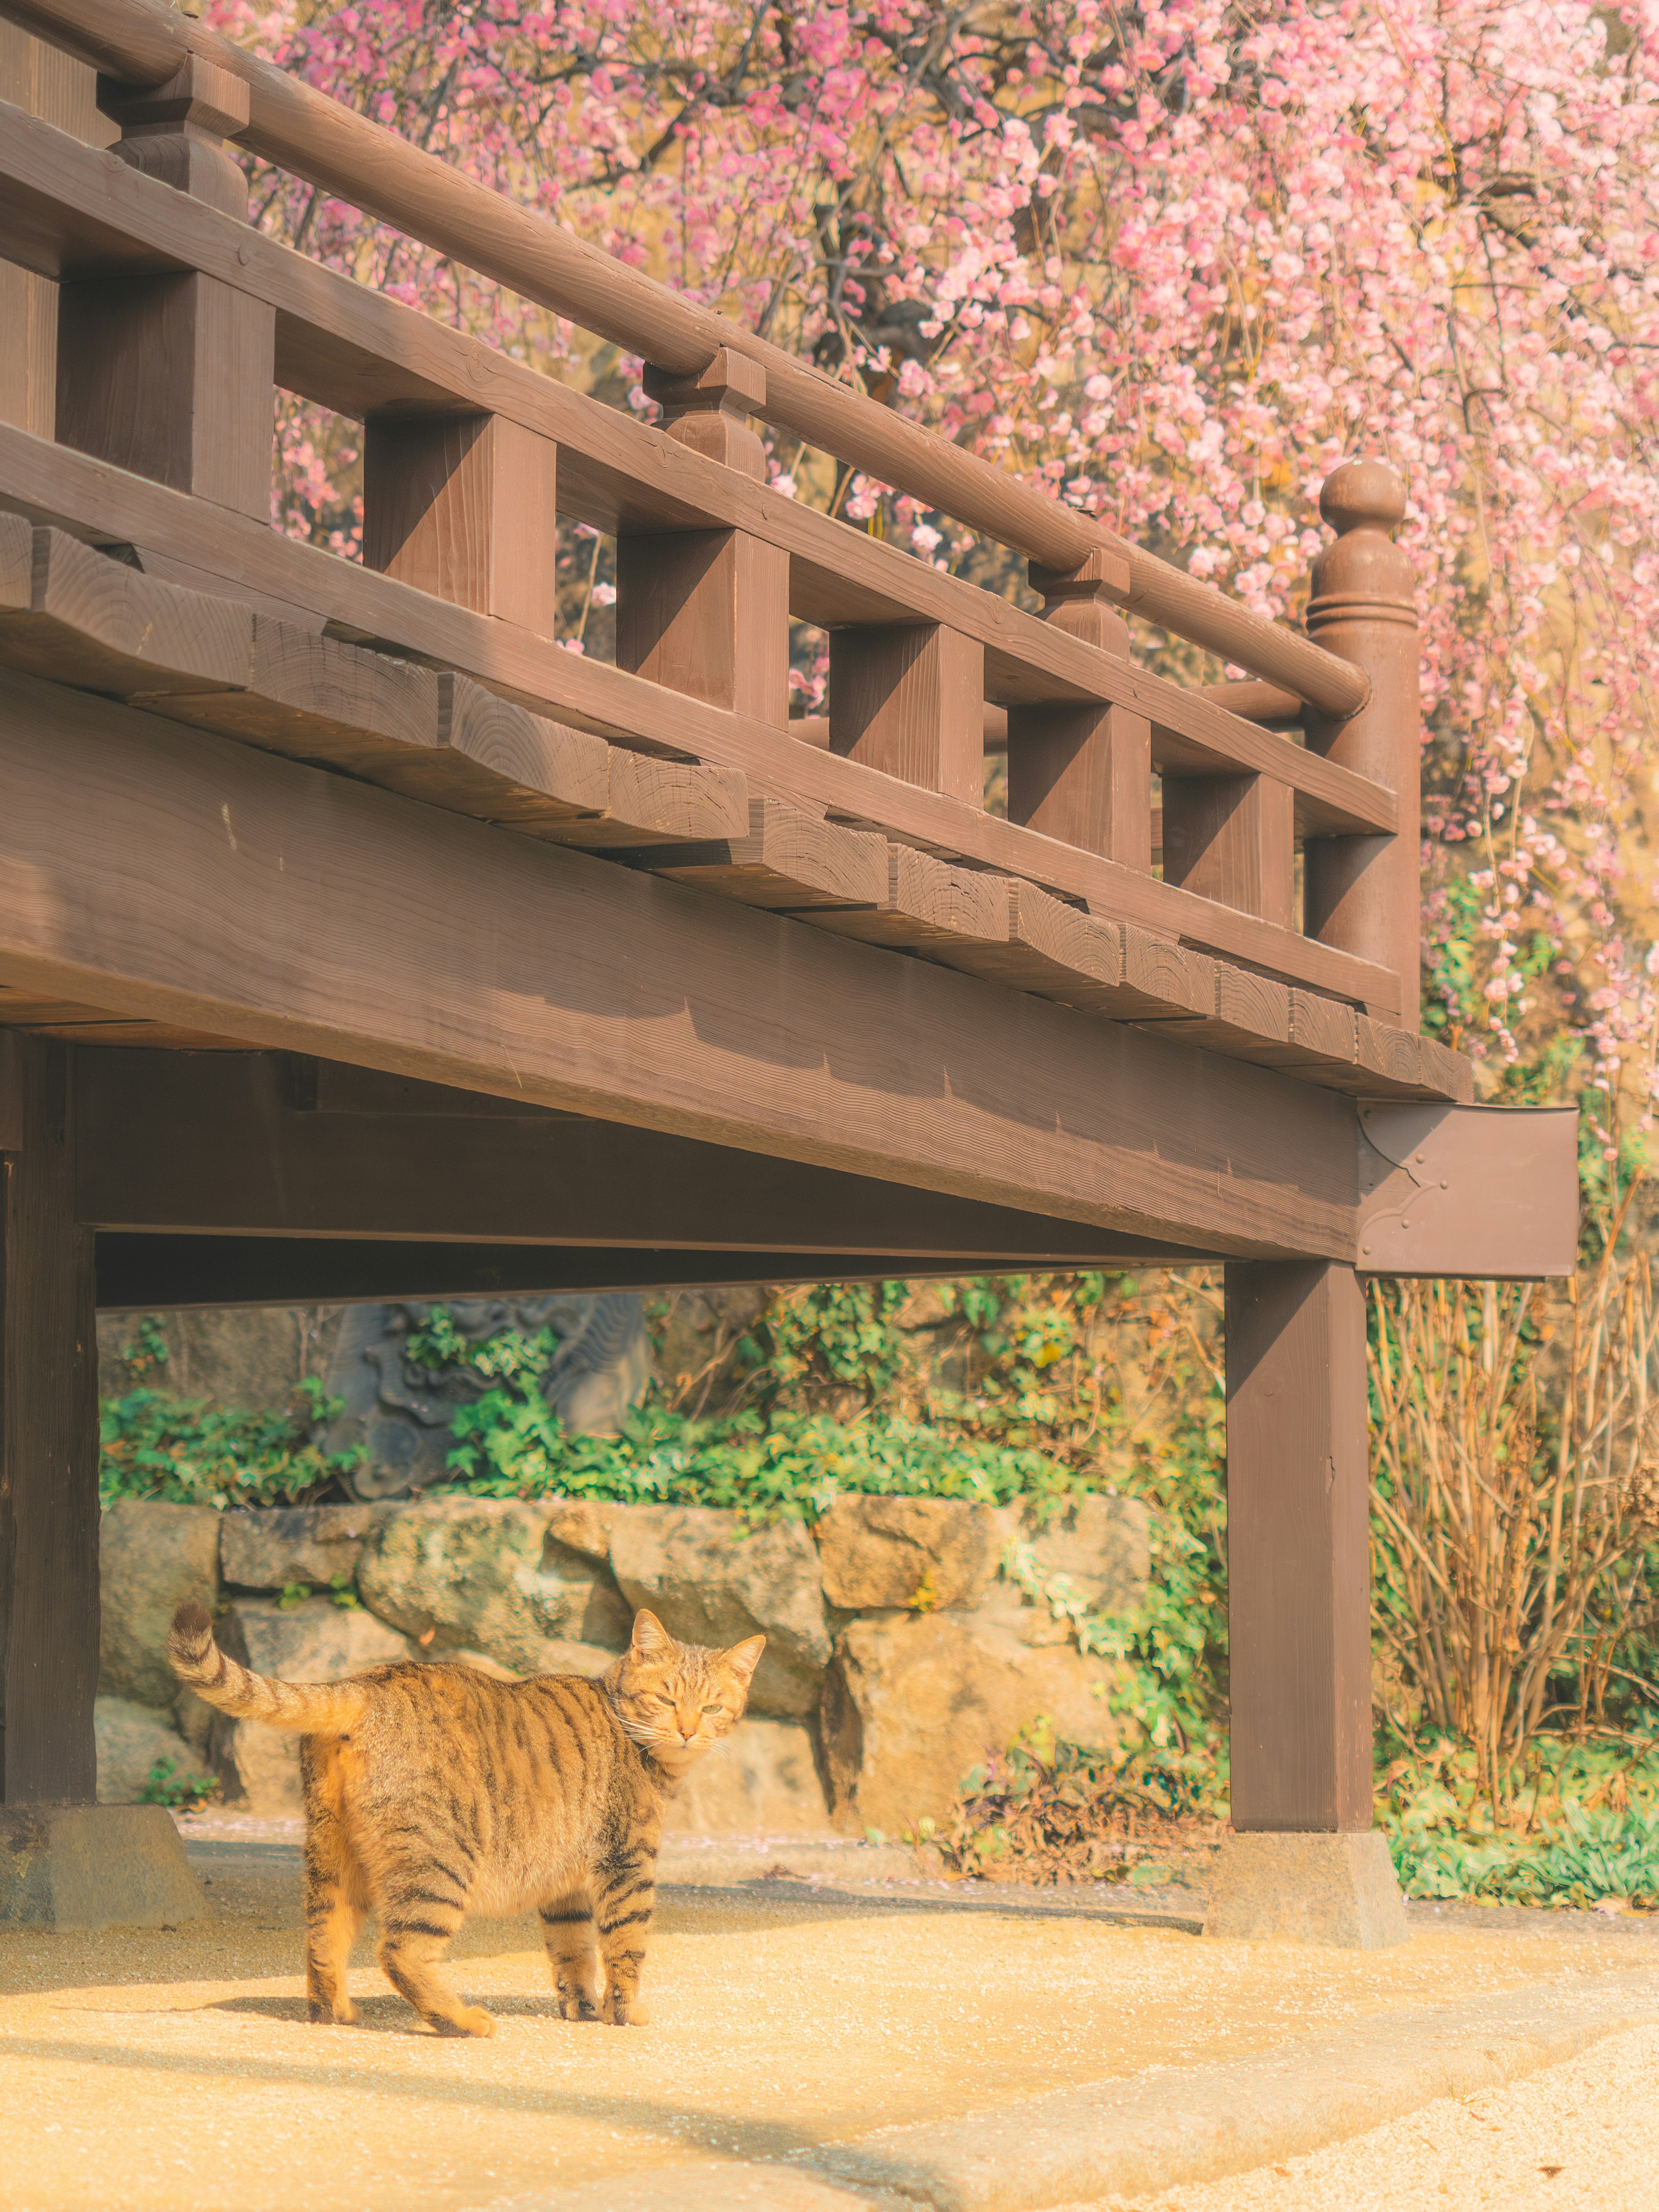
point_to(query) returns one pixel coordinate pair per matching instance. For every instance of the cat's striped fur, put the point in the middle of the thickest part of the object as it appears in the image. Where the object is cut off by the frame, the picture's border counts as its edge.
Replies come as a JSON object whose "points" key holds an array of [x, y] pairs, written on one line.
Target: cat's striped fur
{"points": [[435, 1791]]}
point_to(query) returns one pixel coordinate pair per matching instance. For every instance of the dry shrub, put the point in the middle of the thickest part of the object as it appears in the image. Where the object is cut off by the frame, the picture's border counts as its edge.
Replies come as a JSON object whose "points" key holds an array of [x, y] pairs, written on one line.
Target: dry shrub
{"points": [[1516, 1493]]}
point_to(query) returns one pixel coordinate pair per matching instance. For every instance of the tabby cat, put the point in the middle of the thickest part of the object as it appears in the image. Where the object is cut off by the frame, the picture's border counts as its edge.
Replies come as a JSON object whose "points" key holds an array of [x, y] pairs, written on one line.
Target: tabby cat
{"points": [[435, 1791]]}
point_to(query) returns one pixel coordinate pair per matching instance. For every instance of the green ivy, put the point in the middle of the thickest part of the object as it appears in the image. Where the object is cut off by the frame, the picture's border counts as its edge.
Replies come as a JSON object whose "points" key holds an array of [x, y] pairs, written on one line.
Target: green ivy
{"points": [[188, 1453]]}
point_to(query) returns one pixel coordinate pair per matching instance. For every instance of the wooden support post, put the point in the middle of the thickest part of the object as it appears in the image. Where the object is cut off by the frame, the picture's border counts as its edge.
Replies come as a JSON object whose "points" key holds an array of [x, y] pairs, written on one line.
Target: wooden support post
{"points": [[1297, 1547], [465, 507], [706, 611], [1231, 838], [43, 82], [911, 701], [1364, 893], [48, 1442], [173, 376], [1084, 773]]}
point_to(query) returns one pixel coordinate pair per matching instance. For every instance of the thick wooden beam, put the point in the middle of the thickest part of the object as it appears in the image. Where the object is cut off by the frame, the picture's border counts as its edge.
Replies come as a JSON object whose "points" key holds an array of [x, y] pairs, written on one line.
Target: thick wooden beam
{"points": [[150, 1274], [1298, 1562], [147, 868], [48, 1443], [260, 1144]]}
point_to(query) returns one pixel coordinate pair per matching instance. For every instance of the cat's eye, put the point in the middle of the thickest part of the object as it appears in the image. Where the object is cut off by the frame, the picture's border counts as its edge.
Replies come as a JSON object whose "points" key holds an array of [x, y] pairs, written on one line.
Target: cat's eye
{"points": [[712, 1709]]}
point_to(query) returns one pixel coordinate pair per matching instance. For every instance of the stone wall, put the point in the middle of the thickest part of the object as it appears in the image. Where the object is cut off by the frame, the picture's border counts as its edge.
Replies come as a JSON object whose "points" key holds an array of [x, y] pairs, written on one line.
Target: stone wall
{"points": [[896, 1655]]}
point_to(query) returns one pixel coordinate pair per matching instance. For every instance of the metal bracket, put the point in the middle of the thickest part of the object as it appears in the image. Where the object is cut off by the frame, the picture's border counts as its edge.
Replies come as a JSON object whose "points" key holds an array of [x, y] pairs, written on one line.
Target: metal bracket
{"points": [[1487, 1193]]}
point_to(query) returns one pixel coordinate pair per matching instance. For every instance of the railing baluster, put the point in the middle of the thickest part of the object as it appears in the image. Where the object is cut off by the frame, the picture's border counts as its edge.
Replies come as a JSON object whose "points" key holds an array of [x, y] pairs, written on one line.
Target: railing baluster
{"points": [[706, 611], [1084, 773], [1364, 894], [465, 507], [909, 700], [173, 376], [1231, 838]]}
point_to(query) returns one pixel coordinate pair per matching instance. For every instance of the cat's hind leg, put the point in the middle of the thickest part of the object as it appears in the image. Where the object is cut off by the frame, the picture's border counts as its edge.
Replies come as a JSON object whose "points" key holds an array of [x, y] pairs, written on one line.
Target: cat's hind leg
{"points": [[420, 1906], [336, 1898], [566, 1921], [624, 1896]]}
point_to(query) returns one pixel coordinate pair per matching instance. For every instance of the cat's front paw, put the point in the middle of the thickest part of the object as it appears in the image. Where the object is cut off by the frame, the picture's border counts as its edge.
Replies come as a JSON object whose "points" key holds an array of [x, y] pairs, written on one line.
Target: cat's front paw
{"points": [[342, 2012], [625, 2012], [472, 2019], [576, 2004]]}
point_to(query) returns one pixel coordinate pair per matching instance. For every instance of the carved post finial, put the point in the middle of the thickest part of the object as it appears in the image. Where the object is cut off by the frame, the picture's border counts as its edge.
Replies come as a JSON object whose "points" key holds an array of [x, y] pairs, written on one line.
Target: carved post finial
{"points": [[176, 131], [1364, 571], [710, 411]]}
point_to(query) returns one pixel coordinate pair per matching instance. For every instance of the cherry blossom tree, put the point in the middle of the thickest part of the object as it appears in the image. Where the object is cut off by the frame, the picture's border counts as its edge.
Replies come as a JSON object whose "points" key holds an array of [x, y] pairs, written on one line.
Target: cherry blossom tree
{"points": [[1174, 260]]}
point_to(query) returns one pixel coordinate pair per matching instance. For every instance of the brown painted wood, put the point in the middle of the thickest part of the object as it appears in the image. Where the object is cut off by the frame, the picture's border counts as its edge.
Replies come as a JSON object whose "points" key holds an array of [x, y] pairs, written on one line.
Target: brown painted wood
{"points": [[786, 860], [910, 702], [213, 551], [176, 131], [162, 873], [922, 905], [1365, 893], [1298, 1562], [1232, 838], [706, 611], [229, 1145], [48, 1450], [1082, 774], [172, 378], [79, 616], [152, 1274], [343, 152], [465, 507], [38, 80]]}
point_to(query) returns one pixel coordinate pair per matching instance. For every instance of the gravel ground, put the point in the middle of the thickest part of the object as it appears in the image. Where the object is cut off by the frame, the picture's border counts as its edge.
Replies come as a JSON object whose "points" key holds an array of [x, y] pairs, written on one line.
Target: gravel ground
{"points": [[1582, 2138], [142, 2068]]}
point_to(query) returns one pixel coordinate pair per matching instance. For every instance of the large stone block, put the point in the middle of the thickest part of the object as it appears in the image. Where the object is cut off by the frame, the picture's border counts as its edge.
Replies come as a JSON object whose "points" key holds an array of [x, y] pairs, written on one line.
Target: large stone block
{"points": [[152, 1559], [763, 1780], [898, 1551], [912, 1704], [316, 1642], [94, 1866], [130, 1740], [489, 1574], [1101, 1544], [1310, 1887], [711, 1578], [271, 1548]]}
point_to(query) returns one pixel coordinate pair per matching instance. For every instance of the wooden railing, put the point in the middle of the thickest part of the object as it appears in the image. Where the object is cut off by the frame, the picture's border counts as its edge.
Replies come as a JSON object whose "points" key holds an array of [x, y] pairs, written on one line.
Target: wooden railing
{"points": [[176, 323]]}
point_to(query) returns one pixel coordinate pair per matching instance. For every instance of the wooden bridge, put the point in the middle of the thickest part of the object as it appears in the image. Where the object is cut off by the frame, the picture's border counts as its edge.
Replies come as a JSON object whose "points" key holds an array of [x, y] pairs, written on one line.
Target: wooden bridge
{"points": [[358, 941]]}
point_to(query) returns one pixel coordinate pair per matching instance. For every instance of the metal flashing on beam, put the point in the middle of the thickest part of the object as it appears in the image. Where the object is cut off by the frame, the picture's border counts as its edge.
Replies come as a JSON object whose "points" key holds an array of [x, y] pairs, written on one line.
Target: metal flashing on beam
{"points": [[1486, 1193]]}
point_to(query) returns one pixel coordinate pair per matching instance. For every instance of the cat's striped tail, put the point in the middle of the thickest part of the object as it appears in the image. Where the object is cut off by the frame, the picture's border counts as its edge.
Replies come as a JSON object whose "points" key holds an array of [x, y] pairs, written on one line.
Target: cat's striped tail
{"points": [[314, 1708]]}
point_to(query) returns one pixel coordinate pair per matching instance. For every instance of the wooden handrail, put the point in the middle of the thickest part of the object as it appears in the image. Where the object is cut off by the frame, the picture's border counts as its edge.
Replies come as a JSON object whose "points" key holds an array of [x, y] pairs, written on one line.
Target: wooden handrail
{"points": [[144, 42]]}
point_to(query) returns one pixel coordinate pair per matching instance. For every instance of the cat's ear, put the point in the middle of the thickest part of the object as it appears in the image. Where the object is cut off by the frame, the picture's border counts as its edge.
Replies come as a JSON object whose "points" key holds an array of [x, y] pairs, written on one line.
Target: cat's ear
{"points": [[651, 1638], [743, 1658]]}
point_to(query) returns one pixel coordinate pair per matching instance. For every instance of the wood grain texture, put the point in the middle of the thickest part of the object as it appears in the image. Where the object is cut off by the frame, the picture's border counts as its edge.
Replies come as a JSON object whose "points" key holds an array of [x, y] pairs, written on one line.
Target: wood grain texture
{"points": [[170, 1143], [38, 81], [1232, 838], [1082, 774], [162, 873], [76, 615], [1298, 1562], [706, 611], [783, 859], [924, 906], [232, 556], [909, 701], [465, 507], [173, 378], [48, 1452]]}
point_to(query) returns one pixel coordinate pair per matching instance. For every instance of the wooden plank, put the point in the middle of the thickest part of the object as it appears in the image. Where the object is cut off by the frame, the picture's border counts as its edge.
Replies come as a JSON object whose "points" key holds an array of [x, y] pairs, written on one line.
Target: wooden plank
{"points": [[227, 555], [783, 859], [161, 871], [1446, 1073], [48, 1450], [176, 1144], [1231, 838], [158, 1274], [924, 906], [172, 377], [78, 617], [465, 507], [1298, 1562], [356, 351], [706, 611], [909, 701], [1082, 774]]}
